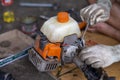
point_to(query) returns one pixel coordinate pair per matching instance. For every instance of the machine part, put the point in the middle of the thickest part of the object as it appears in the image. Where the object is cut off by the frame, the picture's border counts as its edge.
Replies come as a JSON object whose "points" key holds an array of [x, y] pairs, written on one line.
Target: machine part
{"points": [[55, 6], [41, 64], [83, 34], [46, 49], [66, 72], [45, 56], [29, 25], [76, 16], [112, 78], [6, 76], [50, 51], [42, 39], [82, 25], [71, 48], [67, 52], [89, 72], [72, 45], [64, 23], [44, 17], [59, 71], [12, 58]]}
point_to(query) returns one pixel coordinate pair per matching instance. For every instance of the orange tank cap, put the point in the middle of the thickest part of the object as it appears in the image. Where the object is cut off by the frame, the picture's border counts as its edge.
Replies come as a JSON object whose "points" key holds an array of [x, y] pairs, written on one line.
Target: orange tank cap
{"points": [[63, 17]]}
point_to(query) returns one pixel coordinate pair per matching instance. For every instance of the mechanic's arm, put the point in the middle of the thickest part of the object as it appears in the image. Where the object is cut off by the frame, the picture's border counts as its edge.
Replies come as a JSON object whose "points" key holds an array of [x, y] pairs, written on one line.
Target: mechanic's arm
{"points": [[100, 55]]}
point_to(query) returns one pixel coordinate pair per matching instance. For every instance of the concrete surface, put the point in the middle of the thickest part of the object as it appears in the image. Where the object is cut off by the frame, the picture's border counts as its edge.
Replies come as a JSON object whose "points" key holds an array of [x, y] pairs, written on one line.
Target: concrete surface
{"points": [[22, 69]]}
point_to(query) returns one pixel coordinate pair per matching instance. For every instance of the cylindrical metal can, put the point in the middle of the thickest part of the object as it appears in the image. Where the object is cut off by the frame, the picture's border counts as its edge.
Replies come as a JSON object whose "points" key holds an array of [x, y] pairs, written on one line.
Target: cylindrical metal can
{"points": [[29, 25]]}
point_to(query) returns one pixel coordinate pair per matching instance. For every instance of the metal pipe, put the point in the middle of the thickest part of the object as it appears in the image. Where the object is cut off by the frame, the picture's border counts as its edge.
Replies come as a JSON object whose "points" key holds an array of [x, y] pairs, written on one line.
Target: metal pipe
{"points": [[36, 4]]}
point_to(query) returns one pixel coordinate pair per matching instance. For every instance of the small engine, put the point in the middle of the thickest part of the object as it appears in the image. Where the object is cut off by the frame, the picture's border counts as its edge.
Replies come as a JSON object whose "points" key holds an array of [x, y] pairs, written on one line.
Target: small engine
{"points": [[45, 55], [59, 41]]}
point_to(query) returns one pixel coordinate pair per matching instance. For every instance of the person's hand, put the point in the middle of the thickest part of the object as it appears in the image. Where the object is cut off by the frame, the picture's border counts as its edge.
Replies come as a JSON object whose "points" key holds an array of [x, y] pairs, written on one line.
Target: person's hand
{"points": [[99, 55], [95, 13]]}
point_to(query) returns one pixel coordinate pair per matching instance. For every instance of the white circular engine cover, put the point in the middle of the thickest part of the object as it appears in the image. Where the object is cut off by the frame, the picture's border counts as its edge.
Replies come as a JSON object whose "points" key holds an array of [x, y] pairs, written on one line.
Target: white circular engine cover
{"points": [[56, 31]]}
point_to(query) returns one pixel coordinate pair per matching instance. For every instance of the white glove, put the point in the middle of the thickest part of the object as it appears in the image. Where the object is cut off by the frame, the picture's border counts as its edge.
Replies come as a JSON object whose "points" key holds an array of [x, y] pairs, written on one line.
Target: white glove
{"points": [[95, 13], [100, 55]]}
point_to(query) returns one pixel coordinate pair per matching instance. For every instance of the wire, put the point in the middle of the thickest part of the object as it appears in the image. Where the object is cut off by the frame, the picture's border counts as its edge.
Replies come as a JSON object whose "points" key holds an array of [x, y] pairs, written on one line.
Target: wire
{"points": [[88, 24], [67, 72], [59, 71]]}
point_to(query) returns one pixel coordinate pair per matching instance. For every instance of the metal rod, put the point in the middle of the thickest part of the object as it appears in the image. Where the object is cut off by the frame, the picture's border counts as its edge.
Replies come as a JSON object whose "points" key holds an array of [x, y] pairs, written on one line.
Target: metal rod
{"points": [[44, 17], [36, 4], [83, 35]]}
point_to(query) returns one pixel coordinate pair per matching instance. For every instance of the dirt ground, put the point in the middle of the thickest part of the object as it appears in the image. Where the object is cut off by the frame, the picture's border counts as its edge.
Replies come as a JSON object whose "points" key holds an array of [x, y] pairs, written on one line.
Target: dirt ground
{"points": [[22, 69]]}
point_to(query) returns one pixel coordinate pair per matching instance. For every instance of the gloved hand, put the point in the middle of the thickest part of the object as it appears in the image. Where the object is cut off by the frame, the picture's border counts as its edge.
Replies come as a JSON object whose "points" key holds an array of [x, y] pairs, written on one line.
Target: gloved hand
{"points": [[95, 13], [100, 55]]}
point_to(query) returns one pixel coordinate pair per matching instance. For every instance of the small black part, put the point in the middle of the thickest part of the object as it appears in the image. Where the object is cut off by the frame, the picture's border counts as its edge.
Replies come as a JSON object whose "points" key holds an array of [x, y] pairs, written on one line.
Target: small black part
{"points": [[6, 76], [112, 78]]}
